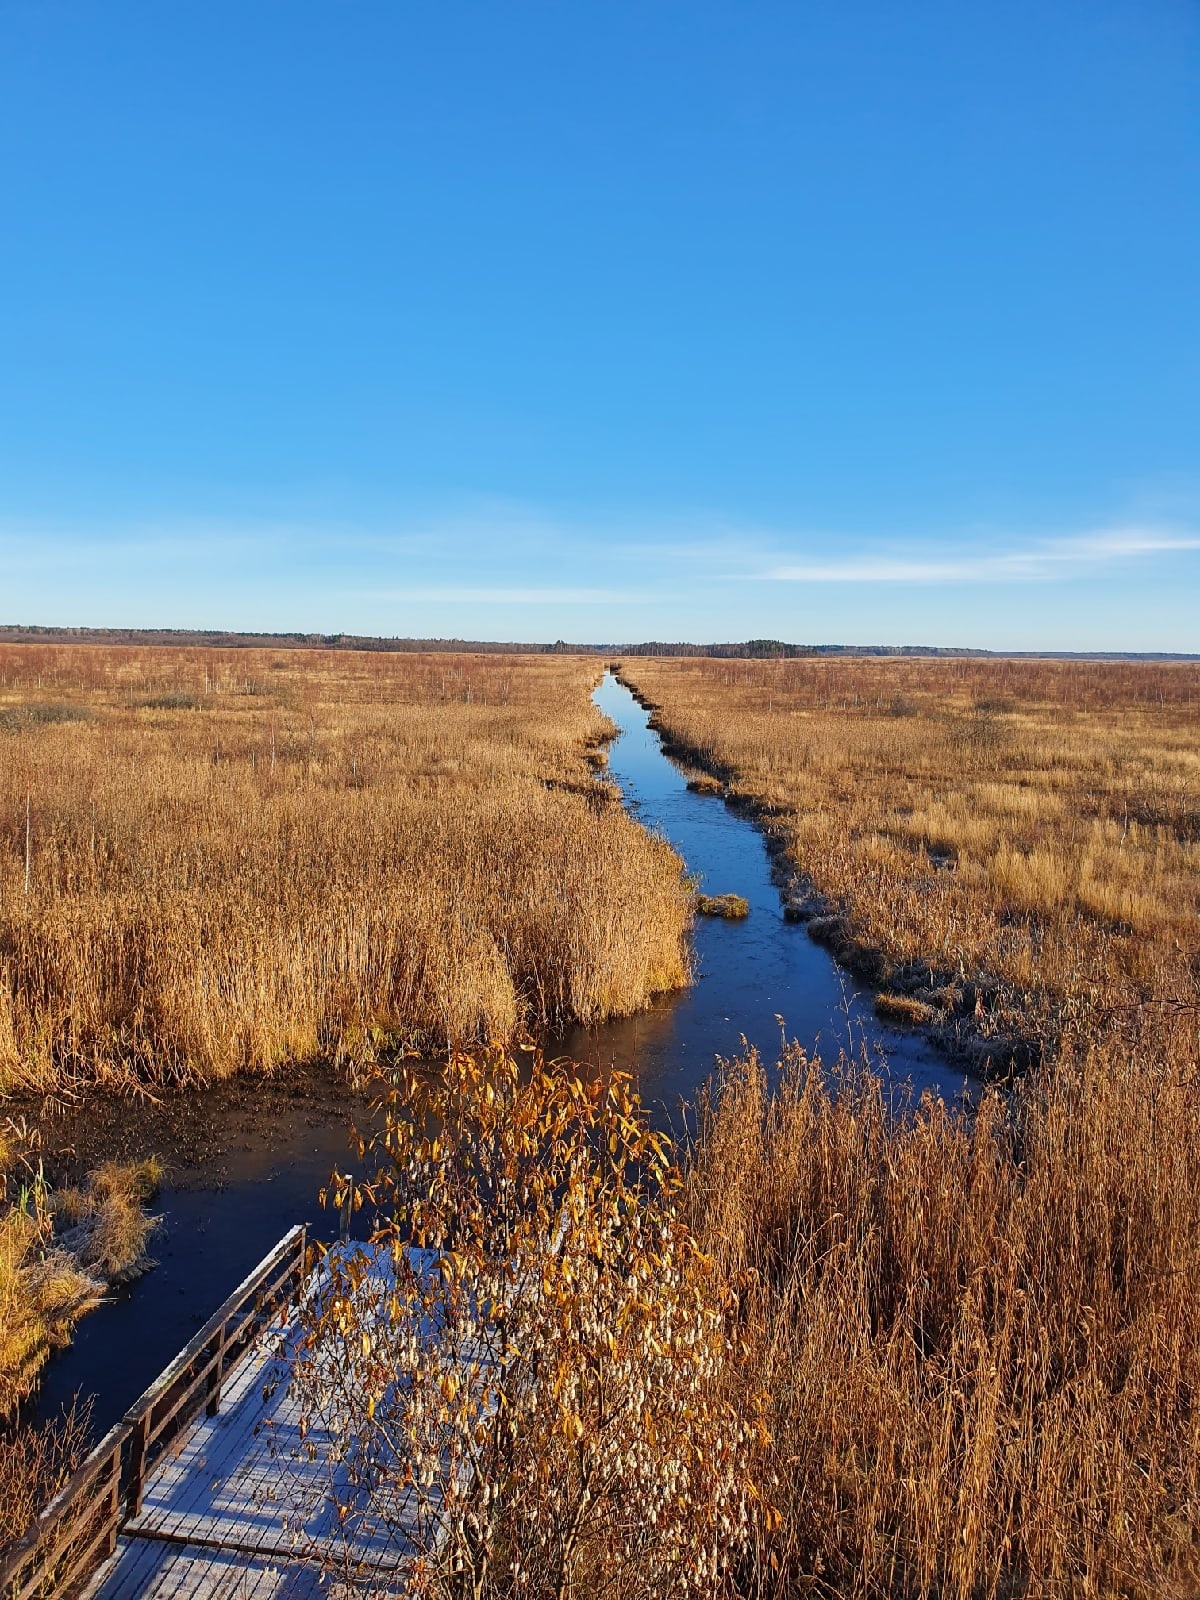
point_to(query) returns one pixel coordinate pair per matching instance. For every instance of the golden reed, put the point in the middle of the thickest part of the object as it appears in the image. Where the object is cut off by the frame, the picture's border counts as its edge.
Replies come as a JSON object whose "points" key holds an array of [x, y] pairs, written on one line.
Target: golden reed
{"points": [[979, 1335], [1034, 825], [221, 860]]}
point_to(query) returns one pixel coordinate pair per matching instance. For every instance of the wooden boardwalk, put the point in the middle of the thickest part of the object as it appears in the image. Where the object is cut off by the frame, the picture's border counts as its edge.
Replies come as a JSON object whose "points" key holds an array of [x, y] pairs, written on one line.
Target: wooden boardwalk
{"points": [[246, 1501], [235, 1502]]}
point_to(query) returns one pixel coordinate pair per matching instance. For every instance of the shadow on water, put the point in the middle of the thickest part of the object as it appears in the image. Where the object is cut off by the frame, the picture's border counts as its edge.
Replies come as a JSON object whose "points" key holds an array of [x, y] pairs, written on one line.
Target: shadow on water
{"points": [[272, 1154]]}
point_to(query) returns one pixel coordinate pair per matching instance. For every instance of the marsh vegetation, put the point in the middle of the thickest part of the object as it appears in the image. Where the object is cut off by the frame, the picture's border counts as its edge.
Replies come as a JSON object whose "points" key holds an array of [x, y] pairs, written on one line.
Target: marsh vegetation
{"points": [[821, 1349], [830, 1345], [1016, 844], [979, 1332], [732, 907], [217, 862]]}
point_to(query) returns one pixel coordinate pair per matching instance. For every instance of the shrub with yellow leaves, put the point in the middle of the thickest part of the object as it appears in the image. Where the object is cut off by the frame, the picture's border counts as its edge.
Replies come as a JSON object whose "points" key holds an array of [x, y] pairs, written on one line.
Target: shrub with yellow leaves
{"points": [[539, 1389]]}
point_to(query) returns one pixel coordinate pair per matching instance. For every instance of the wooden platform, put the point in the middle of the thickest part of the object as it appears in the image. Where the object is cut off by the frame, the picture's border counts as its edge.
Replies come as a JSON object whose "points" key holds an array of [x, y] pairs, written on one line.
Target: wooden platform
{"points": [[209, 1488], [245, 1505]]}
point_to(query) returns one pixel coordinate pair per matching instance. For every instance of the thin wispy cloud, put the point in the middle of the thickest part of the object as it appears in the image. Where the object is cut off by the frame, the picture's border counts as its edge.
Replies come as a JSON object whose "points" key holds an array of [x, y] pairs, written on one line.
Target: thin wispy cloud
{"points": [[1060, 558], [500, 596]]}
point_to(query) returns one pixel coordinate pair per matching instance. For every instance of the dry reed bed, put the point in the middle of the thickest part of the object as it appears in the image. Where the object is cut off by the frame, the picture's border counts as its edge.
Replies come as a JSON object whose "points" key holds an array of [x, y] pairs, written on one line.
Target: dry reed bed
{"points": [[238, 859], [979, 1341], [1031, 825], [979, 1336]]}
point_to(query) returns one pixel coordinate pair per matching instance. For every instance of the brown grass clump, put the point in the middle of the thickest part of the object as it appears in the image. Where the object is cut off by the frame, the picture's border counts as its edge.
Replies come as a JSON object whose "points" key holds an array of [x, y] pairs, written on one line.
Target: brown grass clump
{"points": [[704, 783], [237, 859], [43, 1291], [59, 1253], [732, 907], [105, 1226], [905, 1009], [1032, 826]]}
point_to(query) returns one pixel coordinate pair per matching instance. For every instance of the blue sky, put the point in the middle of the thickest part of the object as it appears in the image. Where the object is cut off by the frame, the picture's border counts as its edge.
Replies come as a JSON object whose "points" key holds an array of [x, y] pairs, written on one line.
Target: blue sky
{"points": [[831, 321]]}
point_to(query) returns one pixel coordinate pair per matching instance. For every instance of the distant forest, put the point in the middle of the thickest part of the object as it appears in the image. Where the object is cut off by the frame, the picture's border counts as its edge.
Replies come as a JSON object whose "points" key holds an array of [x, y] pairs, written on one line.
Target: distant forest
{"points": [[753, 649]]}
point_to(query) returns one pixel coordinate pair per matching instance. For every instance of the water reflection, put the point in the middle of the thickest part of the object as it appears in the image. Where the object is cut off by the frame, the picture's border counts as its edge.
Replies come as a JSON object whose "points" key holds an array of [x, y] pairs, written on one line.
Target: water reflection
{"points": [[747, 973]]}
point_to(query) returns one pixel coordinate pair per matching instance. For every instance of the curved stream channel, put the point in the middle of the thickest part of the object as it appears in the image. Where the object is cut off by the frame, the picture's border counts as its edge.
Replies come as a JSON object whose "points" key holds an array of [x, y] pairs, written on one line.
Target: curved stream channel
{"points": [[219, 1223]]}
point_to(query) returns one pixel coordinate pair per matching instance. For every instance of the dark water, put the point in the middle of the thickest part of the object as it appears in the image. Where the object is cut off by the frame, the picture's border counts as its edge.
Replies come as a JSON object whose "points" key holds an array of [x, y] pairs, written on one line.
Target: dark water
{"points": [[747, 974], [213, 1235]]}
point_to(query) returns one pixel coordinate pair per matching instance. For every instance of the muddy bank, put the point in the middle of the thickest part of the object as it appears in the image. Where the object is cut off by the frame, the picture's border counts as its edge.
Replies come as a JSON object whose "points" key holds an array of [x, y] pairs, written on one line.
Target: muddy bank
{"points": [[209, 1138], [947, 1008]]}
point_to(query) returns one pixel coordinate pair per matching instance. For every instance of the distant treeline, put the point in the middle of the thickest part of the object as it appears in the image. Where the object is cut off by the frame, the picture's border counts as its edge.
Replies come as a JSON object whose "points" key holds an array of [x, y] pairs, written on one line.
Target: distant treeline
{"points": [[757, 649], [223, 639], [753, 649]]}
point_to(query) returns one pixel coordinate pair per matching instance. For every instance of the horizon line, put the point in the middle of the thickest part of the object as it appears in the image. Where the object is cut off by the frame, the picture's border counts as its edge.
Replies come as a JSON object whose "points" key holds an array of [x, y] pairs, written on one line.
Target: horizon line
{"points": [[762, 648]]}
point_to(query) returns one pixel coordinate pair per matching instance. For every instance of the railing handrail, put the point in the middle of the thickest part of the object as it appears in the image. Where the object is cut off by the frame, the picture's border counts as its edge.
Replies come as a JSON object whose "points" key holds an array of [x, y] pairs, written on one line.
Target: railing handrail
{"points": [[215, 1323], [124, 1447], [62, 1502]]}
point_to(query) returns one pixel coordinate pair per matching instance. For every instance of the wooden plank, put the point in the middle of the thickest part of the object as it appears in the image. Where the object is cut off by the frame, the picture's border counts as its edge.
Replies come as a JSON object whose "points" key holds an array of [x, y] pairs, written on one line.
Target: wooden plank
{"points": [[148, 1570], [178, 1384]]}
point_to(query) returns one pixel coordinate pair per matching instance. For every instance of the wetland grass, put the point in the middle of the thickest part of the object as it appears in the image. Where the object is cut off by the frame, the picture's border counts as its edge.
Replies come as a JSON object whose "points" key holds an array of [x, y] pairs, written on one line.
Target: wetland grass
{"points": [[1014, 843], [980, 1333], [973, 1341], [979, 1337], [212, 861]]}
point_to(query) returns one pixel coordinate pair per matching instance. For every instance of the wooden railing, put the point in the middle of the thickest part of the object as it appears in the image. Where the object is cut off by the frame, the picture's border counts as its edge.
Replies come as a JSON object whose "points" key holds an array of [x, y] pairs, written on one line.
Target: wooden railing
{"points": [[80, 1525]]}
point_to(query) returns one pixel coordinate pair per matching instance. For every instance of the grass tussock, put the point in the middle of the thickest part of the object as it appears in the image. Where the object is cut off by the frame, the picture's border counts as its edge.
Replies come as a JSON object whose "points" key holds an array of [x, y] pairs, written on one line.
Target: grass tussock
{"points": [[705, 783], [731, 907], [904, 1009], [980, 1338], [43, 1288], [342, 851], [105, 1225], [43, 1293], [60, 1251]]}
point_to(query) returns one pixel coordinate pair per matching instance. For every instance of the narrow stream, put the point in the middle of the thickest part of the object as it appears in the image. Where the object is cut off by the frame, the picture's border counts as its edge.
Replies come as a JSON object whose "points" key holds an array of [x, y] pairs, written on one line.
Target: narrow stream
{"points": [[747, 973], [220, 1221]]}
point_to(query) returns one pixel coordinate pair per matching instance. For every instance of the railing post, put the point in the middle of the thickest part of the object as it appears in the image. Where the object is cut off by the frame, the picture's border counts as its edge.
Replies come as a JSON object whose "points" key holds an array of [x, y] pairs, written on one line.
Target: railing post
{"points": [[114, 1501], [218, 1373], [137, 1464]]}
